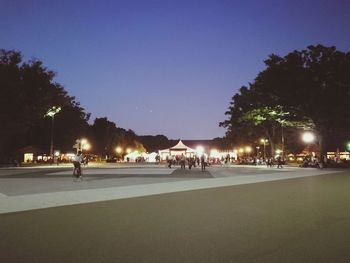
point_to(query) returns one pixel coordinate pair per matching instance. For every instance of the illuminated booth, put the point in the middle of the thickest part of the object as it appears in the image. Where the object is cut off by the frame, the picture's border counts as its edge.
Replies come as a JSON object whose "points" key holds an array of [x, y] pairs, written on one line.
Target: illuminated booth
{"points": [[136, 156], [177, 150]]}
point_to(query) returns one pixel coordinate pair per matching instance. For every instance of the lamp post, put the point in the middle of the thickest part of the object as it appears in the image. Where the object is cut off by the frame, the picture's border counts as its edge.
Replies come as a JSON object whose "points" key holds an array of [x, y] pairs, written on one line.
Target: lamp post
{"points": [[119, 151], [308, 138], [282, 139], [264, 141], [51, 113]]}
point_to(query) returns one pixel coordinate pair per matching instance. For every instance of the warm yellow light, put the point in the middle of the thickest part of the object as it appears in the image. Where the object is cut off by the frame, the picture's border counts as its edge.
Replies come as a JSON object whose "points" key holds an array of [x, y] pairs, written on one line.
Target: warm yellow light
{"points": [[119, 149], [241, 150], [83, 141], [235, 151], [278, 151], [86, 146], [129, 150], [248, 149], [264, 141]]}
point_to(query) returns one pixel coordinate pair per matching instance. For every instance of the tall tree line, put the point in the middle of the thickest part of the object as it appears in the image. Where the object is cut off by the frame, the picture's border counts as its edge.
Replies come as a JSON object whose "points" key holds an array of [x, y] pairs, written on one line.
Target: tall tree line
{"points": [[28, 91], [304, 90]]}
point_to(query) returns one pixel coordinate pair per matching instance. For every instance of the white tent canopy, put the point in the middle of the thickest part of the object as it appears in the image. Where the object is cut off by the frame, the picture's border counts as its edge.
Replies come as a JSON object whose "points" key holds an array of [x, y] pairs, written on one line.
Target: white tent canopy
{"points": [[179, 149], [148, 157]]}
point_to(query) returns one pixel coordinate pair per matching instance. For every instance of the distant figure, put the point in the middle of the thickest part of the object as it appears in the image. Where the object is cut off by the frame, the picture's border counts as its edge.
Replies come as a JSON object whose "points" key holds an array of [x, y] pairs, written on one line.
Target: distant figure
{"points": [[191, 162], [170, 161], [158, 158], [78, 159], [269, 162], [183, 161], [203, 164], [279, 162]]}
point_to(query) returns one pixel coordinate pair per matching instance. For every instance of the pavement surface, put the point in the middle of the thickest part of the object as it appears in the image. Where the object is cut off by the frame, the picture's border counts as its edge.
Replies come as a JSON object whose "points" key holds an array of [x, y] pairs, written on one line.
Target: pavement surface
{"points": [[153, 214]]}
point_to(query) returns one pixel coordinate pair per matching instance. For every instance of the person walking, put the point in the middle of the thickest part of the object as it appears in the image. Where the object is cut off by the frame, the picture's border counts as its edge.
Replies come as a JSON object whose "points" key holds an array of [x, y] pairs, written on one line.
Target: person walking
{"points": [[78, 159], [183, 161], [190, 162], [279, 162], [170, 161], [203, 164]]}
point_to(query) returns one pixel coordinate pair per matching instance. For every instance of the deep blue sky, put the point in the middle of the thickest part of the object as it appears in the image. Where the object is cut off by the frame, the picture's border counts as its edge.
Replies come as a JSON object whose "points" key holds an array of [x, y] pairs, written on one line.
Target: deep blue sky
{"points": [[165, 67]]}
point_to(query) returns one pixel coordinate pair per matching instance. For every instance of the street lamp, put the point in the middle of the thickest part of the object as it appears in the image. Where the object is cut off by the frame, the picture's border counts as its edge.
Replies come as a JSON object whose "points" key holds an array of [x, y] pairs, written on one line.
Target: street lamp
{"points": [[257, 151], [264, 141], [84, 145], [282, 122], [51, 113], [308, 138], [348, 146], [248, 149], [119, 150]]}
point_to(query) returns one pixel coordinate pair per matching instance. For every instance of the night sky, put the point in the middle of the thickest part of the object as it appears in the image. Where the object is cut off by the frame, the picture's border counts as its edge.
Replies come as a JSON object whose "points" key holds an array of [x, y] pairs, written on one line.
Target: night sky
{"points": [[165, 67]]}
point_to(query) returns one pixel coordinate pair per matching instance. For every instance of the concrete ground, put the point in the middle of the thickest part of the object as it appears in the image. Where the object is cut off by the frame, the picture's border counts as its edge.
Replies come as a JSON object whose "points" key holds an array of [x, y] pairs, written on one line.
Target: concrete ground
{"points": [[227, 214]]}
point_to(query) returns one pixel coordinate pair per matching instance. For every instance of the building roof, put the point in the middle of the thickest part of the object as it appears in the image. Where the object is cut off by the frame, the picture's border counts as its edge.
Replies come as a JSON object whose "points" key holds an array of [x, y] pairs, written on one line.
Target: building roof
{"points": [[178, 147]]}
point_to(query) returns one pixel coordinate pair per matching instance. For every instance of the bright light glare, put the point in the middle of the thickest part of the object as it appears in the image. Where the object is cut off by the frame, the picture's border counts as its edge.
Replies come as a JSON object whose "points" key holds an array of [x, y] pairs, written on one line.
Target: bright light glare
{"points": [[308, 137], [264, 140], [214, 153], [200, 150], [241, 150], [52, 111], [248, 149], [128, 150], [118, 149], [83, 141], [86, 146]]}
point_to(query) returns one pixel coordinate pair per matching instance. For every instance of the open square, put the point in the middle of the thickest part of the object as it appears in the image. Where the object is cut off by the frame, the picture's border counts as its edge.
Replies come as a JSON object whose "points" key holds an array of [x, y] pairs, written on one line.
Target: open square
{"points": [[153, 214]]}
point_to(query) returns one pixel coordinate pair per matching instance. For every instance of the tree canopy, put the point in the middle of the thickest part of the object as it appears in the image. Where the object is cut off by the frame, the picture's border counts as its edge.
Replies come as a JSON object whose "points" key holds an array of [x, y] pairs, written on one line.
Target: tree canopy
{"points": [[311, 85], [28, 90]]}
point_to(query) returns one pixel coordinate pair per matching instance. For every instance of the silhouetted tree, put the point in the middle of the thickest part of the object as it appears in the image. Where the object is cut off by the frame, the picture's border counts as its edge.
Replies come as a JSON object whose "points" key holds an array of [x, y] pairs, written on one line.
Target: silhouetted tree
{"points": [[27, 92], [106, 137], [312, 84], [154, 143]]}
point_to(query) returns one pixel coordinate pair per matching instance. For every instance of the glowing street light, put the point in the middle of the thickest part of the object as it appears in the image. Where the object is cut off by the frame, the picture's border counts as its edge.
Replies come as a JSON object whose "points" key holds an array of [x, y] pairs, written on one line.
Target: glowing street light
{"points": [[248, 149], [119, 150], [308, 137], [128, 150], [264, 141], [51, 113], [86, 146]]}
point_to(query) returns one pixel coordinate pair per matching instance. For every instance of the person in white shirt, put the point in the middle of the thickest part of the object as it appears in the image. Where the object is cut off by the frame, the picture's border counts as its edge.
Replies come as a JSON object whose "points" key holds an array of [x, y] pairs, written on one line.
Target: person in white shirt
{"points": [[77, 165]]}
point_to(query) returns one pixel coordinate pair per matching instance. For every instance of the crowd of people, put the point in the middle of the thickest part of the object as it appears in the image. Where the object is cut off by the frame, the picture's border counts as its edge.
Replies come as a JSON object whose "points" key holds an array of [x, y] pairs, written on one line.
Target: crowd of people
{"points": [[192, 161]]}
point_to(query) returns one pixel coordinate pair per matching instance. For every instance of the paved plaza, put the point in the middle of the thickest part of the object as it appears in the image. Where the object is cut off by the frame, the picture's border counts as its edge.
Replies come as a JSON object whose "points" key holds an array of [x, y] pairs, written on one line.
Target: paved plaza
{"points": [[150, 213], [33, 188]]}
